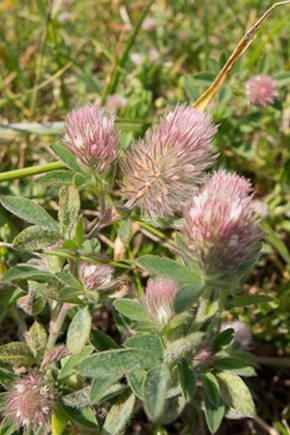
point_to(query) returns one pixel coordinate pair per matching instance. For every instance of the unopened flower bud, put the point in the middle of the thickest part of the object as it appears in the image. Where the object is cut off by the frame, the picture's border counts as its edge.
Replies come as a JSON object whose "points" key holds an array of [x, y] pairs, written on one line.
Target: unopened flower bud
{"points": [[96, 276], [91, 137], [159, 298], [261, 90], [221, 230], [163, 170], [29, 402], [204, 355]]}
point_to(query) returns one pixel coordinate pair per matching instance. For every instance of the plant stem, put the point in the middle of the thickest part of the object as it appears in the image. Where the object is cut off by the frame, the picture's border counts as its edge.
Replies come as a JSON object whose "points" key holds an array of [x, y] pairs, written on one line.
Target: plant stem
{"points": [[204, 304], [55, 326], [28, 172], [111, 88], [273, 361]]}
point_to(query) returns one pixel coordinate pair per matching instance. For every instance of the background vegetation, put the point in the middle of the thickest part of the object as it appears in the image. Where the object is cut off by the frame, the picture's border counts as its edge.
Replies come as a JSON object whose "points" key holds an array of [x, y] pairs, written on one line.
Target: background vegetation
{"points": [[56, 56]]}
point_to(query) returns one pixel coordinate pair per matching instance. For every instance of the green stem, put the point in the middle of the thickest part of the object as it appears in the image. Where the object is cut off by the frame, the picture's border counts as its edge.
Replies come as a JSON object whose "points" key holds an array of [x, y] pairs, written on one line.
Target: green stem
{"points": [[28, 172], [202, 312], [273, 361], [111, 88]]}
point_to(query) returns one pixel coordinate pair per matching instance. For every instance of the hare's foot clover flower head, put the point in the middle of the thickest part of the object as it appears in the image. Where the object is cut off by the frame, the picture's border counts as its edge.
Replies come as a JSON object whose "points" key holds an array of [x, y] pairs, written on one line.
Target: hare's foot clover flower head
{"points": [[91, 137], [159, 298], [221, 230], [261, 90], [96, 276], [29, 402], [163, 170]]}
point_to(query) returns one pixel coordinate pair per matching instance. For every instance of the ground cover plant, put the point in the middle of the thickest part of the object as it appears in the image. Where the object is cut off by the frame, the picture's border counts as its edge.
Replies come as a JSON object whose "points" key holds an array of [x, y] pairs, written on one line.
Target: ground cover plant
{"points": [[145, 273]]}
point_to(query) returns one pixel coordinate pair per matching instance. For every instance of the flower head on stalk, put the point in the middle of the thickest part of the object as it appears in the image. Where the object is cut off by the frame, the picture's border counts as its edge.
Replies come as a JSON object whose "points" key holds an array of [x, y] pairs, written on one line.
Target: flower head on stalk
{"points": [[163, 170], [91, 137], [159, 298], [221, 230], [29, 402], [261, 90]]}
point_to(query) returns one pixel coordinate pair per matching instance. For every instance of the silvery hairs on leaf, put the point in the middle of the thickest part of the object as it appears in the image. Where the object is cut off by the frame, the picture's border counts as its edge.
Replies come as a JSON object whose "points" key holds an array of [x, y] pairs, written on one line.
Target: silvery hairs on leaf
{"points": [[91, 137], [221, 230], [167, 166]]}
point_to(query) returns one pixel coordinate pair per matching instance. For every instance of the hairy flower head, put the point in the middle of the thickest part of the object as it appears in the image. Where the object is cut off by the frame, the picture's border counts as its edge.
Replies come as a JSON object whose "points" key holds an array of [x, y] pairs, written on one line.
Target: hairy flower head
{"points": [[30, 402], [159, 298], [163, 170], [96, 276], [221, 230], [90, 136], [261, 90]]}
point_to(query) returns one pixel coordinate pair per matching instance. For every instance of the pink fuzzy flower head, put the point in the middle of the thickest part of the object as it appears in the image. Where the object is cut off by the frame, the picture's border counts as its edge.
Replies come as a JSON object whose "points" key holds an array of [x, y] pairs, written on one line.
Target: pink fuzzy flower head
{"points": [[29, 402], [96, 276], [159, 298], [116, 102], [261, 90], [220, 228], [163, 170], [91, 137]]}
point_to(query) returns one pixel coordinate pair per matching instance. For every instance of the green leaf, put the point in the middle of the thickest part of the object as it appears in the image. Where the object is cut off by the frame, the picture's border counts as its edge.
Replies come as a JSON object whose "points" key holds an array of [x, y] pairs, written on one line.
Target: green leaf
{"points": [[211, 388], [69, 203], [282, 78], [57, 178], [119, 415], [78, 399], [214, 414], [35, 237], [67, 158], [59, 420], [25, 271], [70, 362], [79, 331], [187, 379], [170, 269], [71, 295], [234, 365], [125, 231], [102, 341], [152, 343], [17, 354], [155, 388], [100, 386], [29, 211], [36, 340], [84, 417], [132, 309], [136, 381], [236, 394], [116, 362], [223, 339], [79, 236], [243, 301], [185, 297]]}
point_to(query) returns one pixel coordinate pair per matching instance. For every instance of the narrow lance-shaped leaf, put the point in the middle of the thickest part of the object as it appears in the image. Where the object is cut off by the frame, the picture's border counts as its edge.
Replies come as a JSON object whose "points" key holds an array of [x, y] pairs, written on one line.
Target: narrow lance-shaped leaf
{"points": [[69, 203], [170, 269], [17, 354], [131, 309], [119, 415], [35, 237], [29, 211], [155, 387], [79, 331], [116, 362]]}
